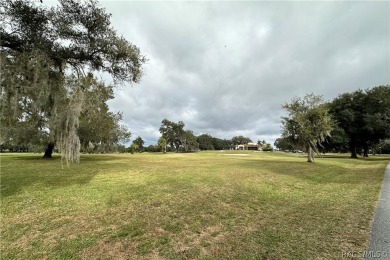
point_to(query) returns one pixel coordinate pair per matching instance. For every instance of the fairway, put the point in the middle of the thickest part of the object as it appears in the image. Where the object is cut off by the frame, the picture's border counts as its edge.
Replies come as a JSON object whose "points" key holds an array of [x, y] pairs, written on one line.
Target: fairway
{"points": [[185, 206]]}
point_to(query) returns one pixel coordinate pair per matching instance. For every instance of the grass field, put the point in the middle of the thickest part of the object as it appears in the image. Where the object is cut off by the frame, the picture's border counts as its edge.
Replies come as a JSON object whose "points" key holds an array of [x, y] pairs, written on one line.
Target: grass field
{"points": [[207, 205]]}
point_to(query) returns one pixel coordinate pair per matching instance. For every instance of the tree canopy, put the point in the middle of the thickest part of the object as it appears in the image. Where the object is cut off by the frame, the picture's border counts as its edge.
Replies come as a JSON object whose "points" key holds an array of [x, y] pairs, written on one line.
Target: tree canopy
{"points": [[173, 133], [139, 142], [74, 33], [307, 123], [236, 140], [363, 116], [100, 129]]}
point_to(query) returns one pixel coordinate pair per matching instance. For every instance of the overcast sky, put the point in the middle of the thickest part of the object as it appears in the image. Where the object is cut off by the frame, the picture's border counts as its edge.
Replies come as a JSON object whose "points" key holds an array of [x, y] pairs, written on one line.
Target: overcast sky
{"points": [[225, 68]]}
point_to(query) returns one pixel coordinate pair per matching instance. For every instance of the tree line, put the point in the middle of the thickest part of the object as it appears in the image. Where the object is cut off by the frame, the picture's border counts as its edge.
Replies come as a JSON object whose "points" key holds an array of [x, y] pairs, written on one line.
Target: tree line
{"points": [[175, 138], [354, 122]]}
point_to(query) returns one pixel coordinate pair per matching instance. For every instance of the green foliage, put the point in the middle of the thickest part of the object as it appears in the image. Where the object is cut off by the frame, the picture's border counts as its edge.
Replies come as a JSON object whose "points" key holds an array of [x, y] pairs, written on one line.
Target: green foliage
{"points": [[47, 55], [337, 142], [189, 141], [133, 148], [27, 106], [220, 144], [267, 148], [173, 133], [139, 144], [205, 142], [100, 130], [283, 144], [236, 140], [89, 41], [363, 116], [162, 143], [152, 149], [307, 124]]}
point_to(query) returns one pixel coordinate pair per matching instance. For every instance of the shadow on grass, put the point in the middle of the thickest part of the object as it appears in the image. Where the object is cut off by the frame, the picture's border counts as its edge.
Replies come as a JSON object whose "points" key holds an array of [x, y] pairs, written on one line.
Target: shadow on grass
{"points": [[348, 157], [328, 169], [19, 171]]}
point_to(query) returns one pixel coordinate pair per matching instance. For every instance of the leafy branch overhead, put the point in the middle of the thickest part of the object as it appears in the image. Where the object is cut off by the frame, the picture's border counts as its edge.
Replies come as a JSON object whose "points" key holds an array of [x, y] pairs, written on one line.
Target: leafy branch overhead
{"points": [[75, 33]]}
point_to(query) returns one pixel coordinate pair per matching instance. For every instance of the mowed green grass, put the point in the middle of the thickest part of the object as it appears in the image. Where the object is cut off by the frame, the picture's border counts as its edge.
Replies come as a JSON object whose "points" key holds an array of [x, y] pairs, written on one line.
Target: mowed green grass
{"points": [[208, 205]]}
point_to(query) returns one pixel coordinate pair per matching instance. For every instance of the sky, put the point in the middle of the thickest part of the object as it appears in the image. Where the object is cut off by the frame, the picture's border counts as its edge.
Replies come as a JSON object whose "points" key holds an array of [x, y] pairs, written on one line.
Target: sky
{"points": [[226, 68]]}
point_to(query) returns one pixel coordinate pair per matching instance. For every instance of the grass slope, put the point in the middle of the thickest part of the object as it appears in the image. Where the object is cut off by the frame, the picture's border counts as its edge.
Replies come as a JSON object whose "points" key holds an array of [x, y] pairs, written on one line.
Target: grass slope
{"points": [[207, 205]]}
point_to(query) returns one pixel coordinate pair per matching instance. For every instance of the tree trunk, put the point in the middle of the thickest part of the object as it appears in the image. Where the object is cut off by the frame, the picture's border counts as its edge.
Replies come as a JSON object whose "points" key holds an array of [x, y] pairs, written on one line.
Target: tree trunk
{"points": [[365, 152], [310, 157], [49, 150], [353, 150]]}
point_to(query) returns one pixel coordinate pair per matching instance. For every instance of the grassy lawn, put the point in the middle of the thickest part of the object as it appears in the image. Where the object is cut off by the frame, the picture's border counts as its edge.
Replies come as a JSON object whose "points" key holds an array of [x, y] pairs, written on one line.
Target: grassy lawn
{"points": [[208, 205]]}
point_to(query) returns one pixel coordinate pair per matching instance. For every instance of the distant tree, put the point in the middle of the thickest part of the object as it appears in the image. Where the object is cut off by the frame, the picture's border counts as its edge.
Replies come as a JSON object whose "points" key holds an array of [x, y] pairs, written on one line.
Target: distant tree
{"points": [[220, 144], [236, 140], [173, 133], [307, 124], [133, 148], [162, 143], [283, 144], [152, 149], [189, 141], [205, 142], [363, 116], [121, 148], [267, 148], [99, 129], [383, 147], [140, 143]]}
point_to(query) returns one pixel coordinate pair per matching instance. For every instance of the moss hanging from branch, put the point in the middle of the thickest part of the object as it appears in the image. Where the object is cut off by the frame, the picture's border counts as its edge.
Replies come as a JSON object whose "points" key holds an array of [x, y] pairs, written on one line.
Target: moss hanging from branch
{"points": [[68, 140], [39, 48]]}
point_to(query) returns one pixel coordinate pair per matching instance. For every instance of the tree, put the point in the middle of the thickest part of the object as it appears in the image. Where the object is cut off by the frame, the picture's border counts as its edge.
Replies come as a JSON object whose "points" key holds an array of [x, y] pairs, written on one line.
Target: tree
{"points": [[140, 143], [283, 144], [152, 149], [46, 55], [220, 144], [376, 116], [162, 143], [267, 148], [307, 124], [99, 129], [173, 133], [337, 141], [240, 140], [133, 147], [364, 117], [205, 142], [189, 141]]}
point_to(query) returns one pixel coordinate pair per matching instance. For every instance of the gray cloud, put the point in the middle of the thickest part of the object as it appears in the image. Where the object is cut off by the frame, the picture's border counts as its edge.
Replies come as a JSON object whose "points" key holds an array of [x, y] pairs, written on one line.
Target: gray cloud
{"points": [[225, 68]]}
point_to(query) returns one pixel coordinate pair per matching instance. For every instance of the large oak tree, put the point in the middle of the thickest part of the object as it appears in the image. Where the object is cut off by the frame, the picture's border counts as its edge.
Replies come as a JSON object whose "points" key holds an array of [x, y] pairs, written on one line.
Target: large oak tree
{"points": [[47, 55]]}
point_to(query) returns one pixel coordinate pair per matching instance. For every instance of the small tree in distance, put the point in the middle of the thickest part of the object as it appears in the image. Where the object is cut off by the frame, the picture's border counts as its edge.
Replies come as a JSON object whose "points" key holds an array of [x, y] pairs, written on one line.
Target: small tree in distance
{"points": [[162, 142], [139, 142]]}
